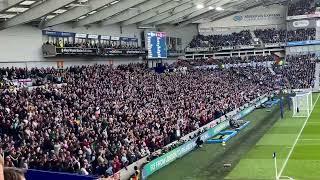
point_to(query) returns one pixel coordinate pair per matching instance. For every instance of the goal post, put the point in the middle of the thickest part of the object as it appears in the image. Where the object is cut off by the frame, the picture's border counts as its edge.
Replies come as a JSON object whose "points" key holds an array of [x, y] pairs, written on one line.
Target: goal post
{"points": [[285, 178], [302, 104]]}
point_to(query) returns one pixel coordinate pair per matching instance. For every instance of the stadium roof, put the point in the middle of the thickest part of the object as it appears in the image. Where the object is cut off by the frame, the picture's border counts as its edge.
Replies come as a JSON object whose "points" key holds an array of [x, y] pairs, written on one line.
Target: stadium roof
{"points": [[48, 13]]}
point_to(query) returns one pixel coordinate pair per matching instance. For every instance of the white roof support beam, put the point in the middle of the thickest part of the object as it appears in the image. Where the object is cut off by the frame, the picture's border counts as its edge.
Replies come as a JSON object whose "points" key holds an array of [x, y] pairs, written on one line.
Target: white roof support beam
{"points": [[169, 13], [154, 12], [192, 11], [6, 4], [109, 11], [77, 12], [131, 12], [36, 12]]}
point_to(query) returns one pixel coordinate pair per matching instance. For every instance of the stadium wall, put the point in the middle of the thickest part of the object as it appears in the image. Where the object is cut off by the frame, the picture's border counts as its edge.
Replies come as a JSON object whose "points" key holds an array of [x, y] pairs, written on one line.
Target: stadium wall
{"points": [[273, 16], [21, 45], [186, 33]]}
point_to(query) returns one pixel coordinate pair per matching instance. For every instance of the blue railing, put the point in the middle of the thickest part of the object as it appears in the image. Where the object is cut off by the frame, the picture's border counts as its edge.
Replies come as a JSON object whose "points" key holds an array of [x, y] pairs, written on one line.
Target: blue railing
{"points": [[46, 175]]}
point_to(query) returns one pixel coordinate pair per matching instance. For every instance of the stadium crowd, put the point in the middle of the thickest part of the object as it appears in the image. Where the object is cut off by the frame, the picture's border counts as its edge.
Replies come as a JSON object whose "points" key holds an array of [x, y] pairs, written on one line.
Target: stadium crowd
{"points": [[225, 60], [301, 34], [111, 44], [302, 8], [242, 38], [245, 38], [105, 118], [271, 35], [299, 71]]}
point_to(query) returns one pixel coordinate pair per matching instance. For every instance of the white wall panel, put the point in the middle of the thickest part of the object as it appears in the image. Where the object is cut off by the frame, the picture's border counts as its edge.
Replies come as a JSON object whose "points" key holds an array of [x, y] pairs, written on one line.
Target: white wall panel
{"points": [[259, 17], [110, 30], [23, 43], [20, 43], [70, 62], [186, 33]]}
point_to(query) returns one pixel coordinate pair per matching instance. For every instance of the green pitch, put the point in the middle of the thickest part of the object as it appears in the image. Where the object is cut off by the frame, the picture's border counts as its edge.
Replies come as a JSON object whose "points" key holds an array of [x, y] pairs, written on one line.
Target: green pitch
{"points": [[297, 146], [250, 152]]}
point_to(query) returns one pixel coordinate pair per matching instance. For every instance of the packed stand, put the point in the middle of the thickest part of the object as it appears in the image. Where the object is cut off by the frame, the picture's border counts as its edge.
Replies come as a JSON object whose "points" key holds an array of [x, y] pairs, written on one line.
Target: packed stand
{"points": [[271, 35], [244, 38], [302, 7], [299, 71], [95, 45], [39, 76], [104, 119], [225, 60], [235, 39], [301, 34]]}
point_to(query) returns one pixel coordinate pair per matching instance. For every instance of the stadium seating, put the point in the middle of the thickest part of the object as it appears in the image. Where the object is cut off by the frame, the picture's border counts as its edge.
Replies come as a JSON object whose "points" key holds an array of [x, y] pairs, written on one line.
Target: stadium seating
{"points": [[271, 35], [104, 119], [242, 38], [301, 8], [226, 60], [299, 71], [301, 34]]}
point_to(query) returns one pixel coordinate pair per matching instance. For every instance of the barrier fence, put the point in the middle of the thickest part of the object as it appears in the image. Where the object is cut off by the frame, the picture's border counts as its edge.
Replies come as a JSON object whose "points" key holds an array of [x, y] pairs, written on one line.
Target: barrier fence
{"points": [[46, 175], [32, 174]]}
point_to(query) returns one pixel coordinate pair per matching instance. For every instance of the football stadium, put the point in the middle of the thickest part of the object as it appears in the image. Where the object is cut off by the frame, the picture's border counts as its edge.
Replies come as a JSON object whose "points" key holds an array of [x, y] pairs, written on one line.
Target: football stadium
{"points": [[159, 89]]}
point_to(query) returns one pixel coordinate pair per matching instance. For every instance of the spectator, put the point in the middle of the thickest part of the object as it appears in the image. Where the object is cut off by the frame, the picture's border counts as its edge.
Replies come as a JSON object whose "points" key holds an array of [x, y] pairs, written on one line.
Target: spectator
{"points": [[13, 174], [299, 71], [235, 39], [105, 118], [301, 7], [271, 35], [1, 167], [301, 34]]}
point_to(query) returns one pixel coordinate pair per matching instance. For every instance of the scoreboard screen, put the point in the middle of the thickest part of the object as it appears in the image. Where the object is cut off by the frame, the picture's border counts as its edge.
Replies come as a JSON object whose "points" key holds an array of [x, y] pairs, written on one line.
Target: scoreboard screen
{"points": [[156, 45]]}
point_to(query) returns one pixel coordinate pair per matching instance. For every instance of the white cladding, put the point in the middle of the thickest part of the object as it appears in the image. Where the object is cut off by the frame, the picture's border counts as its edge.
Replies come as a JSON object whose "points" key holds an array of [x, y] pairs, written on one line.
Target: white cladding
{"points": [[270, 16], [21, 45]]}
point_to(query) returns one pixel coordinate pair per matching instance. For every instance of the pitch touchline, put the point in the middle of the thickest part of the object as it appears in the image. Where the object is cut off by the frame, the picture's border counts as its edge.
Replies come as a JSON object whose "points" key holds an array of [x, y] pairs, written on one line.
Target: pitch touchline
{"points": [[314, 122], [310, 139], [294, 144]]}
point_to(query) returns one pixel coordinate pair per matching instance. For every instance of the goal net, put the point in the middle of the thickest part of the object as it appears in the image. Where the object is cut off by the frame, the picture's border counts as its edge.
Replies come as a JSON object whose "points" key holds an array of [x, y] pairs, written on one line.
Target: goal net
{"points": [[302, 104]]}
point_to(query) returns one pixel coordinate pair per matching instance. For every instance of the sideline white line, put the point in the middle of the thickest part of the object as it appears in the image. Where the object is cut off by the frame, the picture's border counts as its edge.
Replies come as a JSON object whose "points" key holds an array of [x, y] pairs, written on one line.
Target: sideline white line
{"points": [[286, 161], [309, 139], [314, 122]]}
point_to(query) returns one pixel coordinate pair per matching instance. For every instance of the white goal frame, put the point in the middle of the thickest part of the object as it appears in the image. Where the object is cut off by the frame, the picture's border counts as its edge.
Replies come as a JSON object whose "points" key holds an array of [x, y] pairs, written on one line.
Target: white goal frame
{"points": [[302, 104], [285, 177]]}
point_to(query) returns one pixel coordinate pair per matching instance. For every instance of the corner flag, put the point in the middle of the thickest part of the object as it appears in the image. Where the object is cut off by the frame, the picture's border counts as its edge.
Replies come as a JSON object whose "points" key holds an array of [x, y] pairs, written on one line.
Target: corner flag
{"points": [[275, 164]]}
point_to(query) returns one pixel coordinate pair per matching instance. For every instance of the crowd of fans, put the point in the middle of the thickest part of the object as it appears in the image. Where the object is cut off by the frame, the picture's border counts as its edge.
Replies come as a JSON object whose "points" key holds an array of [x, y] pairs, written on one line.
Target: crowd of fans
{"points": [[105, 118], [38, 76], [302, 7], [299, 71], [225, 60], [245, 38], [95, 45], [235, 39], [301, 34], [271, 35]]}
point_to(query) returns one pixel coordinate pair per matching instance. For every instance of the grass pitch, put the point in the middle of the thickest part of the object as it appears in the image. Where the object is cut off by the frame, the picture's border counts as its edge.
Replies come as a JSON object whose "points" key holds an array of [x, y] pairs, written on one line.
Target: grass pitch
{"points": [[297, 144], [250, 152]]}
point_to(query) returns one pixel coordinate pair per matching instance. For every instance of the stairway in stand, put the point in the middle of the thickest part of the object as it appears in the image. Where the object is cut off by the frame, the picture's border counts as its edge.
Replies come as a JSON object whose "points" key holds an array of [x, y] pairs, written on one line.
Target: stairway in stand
{"points": [[317, 77], [272, 71]]}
